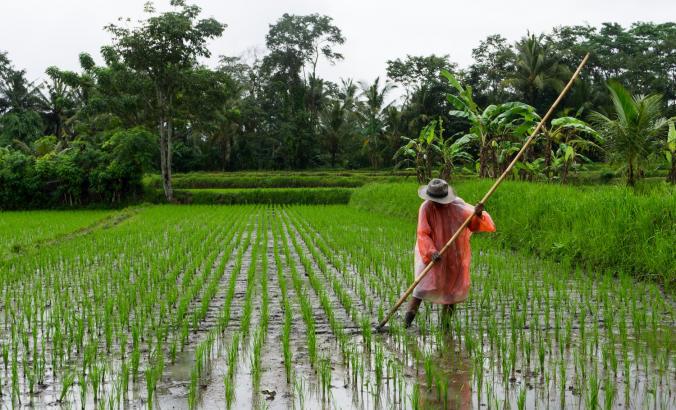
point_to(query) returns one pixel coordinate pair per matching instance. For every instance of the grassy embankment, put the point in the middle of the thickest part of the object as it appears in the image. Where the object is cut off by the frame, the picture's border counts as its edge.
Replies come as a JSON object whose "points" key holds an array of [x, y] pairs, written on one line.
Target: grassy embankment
{"points": [[290, 187], [604, 229], [316, 196]]}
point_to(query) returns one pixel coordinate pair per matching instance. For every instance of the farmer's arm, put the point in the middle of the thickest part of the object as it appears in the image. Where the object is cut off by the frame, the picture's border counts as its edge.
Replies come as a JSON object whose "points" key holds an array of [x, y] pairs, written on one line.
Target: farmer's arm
{"points": [[426, 245], [481, 221]]}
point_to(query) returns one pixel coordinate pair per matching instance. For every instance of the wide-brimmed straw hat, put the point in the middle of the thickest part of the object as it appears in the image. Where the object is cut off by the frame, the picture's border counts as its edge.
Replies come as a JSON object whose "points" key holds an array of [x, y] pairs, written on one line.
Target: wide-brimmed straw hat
{"points": [[437, 191]]}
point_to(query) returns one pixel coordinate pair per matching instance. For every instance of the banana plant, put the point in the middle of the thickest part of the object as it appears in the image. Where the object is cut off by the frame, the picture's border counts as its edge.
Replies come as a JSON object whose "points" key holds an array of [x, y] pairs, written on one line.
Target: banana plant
{"points": [[419, 152], [574, 133], [496, 122], [565, 159], [453, 152], [670, 153], [532, 170]]}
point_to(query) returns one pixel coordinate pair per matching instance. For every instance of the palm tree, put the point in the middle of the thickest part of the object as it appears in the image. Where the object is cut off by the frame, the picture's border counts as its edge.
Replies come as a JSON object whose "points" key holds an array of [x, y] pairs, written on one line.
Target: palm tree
{"points": [[537, 69], [336, 120], [19, 106], [373, 118], [58, 103], [17, 93], [632, 134], [332, 124], [395, 127]]}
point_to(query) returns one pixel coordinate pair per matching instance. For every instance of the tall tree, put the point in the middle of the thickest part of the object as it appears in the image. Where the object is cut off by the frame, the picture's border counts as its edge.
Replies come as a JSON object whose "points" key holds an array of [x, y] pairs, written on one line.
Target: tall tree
{"points": [[308, 38], [58, 102], [296, 45], [494, 61], [19, 102], [373, 118], [425, 90], [164, 49], [537, 71]]}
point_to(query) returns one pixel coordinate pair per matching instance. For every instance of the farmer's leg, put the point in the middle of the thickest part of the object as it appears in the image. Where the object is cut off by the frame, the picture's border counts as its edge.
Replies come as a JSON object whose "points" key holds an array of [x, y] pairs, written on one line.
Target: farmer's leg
{"points": [[413, 307], [446, 315]]}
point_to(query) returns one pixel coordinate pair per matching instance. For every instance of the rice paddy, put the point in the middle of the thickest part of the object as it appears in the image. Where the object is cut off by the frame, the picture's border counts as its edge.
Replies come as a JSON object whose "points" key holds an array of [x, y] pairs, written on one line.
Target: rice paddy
{"points": [[255, 306]]}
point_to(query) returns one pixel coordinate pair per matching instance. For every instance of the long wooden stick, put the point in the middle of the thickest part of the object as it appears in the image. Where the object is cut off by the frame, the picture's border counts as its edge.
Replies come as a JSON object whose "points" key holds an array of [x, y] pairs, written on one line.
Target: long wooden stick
{"points": [[490, 192]]}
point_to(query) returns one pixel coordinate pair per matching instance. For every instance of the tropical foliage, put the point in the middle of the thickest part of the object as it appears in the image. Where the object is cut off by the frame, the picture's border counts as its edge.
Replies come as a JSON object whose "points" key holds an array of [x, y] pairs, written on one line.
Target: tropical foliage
{"points": [[632, 134]]}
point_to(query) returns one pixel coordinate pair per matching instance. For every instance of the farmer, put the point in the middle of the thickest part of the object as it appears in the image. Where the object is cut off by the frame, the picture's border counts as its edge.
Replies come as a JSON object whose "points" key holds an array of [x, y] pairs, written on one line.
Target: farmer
{"points": [[439, 218]]}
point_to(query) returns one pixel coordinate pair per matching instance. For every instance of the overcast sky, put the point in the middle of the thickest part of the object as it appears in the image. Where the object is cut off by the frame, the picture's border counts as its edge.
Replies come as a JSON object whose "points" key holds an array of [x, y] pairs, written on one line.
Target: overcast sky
{"points": [[40, 33]]}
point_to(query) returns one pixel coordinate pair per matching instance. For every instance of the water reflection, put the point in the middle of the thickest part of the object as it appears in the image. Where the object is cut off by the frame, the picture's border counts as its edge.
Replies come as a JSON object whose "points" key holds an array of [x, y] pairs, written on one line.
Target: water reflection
{"points": [[450, 386]]}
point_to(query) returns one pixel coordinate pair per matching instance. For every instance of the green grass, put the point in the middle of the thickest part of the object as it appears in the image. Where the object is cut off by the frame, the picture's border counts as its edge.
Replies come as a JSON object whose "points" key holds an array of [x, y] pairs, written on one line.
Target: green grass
{"points": [[256, 196], [21, 228], [610, 228]]}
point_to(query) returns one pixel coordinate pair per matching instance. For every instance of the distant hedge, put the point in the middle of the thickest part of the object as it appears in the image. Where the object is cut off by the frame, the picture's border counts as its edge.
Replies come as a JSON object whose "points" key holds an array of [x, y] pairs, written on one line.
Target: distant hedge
{"points": [[602, 228], [318, 196]]}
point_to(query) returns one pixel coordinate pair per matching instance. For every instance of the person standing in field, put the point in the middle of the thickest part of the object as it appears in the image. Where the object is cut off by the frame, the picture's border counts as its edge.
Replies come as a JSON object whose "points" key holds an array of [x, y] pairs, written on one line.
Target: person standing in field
{"points": [[439, 218]]}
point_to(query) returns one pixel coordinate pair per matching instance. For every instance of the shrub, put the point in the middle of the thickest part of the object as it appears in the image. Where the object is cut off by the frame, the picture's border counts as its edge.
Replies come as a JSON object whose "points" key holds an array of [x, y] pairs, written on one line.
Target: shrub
{"points": [[50, 176]]}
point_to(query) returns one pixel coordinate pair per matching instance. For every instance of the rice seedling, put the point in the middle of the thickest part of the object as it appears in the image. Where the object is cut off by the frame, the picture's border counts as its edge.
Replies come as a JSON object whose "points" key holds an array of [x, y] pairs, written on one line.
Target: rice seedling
{"points": [[609, 391], [592, 392], [286, 343], [521, 399], [415, 397], [299, 391], [324, 371]]}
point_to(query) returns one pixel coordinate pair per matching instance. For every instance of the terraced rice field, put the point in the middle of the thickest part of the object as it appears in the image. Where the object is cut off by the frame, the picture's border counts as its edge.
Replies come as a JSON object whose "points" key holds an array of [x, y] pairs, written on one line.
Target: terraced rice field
{"points": [[275, 306]]}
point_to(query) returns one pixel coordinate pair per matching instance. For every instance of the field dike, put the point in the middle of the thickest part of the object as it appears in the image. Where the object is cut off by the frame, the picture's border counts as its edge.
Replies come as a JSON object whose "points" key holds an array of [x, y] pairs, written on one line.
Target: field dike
{"points": [[274, 307]]}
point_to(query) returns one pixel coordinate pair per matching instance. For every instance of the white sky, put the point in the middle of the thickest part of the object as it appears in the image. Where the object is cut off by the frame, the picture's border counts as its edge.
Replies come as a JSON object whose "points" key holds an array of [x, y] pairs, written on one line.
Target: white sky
{"points": [[40, 33]]}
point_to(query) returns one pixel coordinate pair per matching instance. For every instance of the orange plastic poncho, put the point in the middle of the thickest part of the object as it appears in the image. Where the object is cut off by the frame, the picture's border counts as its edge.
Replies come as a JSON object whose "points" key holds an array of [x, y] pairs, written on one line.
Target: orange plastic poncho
{"points": [[448, 280]]}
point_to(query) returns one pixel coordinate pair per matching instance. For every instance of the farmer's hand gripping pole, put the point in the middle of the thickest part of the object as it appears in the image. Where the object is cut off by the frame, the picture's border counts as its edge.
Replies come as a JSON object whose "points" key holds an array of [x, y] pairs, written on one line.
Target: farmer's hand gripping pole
{"points": [[544, 119]]}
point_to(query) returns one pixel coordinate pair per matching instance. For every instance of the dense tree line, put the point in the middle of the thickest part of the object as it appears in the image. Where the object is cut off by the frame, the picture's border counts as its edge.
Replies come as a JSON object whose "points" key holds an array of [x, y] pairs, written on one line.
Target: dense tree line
{"points": [[90, 135]]}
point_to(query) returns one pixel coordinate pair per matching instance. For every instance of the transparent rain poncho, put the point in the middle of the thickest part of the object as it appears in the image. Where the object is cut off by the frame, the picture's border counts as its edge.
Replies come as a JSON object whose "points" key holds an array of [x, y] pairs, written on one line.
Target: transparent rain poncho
{"points": [[448, 281]]}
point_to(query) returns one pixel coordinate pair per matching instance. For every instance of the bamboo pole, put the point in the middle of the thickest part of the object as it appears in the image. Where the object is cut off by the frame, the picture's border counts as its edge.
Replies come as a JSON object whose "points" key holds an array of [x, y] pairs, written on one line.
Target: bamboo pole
{"points": [[490, 192]]}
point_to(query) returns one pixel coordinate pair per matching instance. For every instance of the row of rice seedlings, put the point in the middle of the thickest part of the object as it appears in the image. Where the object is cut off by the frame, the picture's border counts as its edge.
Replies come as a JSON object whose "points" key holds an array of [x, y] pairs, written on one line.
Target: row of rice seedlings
{"points": [[286, 304], [128, 297], [519, 330], [203, 350], [241, 336], [375, 358], [261, 334], [336, 326], [339, 261], [376, 362], [344, 296], [327, 251], [301, 296], [349, 353]]}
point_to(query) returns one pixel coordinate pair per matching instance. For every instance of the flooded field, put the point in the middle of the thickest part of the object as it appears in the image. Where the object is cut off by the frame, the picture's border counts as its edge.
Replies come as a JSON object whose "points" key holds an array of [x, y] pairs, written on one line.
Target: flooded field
{"points": [[274, 307]]}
